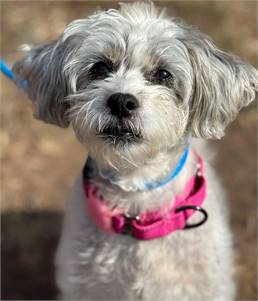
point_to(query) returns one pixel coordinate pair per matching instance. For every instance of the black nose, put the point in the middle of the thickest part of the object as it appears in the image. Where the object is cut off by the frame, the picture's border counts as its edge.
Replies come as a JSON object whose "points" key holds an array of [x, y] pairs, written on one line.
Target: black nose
{"points": [[122, 105]]}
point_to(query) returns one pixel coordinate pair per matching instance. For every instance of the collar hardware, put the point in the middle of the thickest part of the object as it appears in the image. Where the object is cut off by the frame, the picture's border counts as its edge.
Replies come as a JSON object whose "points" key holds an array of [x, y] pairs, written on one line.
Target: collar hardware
{"points": [[196, 208], [127, 228]]}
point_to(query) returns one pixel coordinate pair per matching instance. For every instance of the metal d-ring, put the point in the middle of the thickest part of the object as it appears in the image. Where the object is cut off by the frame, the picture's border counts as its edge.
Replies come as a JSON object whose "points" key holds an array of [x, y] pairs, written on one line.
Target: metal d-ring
{"points": [[196, 208]]}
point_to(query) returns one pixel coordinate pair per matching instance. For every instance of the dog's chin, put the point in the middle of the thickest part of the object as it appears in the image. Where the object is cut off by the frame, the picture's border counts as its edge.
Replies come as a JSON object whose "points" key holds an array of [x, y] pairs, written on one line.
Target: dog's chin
{"points": [[119, 135]]}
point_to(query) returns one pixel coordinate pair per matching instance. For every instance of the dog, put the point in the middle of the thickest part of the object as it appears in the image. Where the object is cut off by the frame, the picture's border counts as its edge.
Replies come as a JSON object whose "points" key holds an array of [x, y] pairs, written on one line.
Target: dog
{"points": [[147, 218]]}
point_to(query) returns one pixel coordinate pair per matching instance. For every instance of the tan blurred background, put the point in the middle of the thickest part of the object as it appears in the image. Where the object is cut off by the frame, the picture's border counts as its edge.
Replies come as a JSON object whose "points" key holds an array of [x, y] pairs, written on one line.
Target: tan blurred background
{"points": [[39, 161]]}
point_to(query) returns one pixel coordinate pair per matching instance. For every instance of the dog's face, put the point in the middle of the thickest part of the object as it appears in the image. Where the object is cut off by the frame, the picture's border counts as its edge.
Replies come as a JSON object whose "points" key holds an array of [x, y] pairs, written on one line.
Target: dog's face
{"points": [[134, 83]]}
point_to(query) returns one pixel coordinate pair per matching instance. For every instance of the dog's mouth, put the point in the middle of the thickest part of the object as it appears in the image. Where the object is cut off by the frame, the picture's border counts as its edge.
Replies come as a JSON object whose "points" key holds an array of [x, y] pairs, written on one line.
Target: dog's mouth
{"points": [[120, 133]]}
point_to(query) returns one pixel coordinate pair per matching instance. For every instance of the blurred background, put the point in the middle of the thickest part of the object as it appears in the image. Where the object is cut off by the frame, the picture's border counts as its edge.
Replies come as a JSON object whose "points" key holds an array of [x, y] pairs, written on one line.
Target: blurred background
{"points": [[39, 161]]}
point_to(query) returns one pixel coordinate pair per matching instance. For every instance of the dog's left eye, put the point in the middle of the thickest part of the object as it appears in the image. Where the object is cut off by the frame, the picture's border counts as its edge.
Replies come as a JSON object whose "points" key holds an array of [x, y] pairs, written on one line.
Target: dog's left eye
{"points": [[100, 70], [163, 75]]}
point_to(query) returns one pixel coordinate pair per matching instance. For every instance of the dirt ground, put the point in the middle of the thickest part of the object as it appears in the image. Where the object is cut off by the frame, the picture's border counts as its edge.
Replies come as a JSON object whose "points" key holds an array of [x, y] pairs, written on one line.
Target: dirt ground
{"points": [[39, 161]]}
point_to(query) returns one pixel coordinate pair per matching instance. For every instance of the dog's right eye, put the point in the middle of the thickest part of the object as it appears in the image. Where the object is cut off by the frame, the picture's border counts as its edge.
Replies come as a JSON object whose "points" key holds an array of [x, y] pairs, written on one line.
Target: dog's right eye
{"points": [[100, 70]]}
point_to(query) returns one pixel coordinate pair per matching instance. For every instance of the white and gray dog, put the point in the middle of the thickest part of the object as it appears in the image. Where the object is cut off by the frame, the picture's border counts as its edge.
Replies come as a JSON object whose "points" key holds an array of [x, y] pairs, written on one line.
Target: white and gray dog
{"points": [[137, 86]]}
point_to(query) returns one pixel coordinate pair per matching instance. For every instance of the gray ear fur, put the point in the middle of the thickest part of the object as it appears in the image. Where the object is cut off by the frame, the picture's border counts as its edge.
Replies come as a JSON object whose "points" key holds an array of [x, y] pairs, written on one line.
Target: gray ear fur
{"points": [[42, 67], [223, 84]]}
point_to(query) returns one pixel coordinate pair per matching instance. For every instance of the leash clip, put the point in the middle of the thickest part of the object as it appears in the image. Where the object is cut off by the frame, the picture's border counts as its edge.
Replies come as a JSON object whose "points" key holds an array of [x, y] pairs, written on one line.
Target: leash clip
{"points": [[196, 208]]}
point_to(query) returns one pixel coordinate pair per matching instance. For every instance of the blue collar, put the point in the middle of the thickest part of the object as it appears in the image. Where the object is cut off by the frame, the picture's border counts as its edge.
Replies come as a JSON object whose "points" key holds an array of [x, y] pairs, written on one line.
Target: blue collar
{"points": [[108, 174], [174, 173]]}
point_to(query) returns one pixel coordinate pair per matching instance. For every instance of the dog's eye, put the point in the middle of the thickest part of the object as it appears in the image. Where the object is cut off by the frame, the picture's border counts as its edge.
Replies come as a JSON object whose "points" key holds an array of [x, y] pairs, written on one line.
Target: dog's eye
{"points": [[100, 70], [163, 75]]}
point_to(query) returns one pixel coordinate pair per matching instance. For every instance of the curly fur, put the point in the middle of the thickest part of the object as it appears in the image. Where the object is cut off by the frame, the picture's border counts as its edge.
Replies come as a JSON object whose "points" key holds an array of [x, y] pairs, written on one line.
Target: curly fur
{"points": [[207, 89]]}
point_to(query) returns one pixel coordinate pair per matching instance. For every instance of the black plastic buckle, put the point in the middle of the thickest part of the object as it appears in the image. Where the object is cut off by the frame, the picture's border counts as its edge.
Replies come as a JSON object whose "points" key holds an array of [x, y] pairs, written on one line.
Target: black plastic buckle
{"points": [[127, 229], [196, 208]]}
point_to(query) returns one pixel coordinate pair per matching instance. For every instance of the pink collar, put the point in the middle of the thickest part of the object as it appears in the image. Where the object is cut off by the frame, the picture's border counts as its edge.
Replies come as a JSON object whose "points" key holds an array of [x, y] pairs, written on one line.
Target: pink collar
{"points": [[151, 224]]}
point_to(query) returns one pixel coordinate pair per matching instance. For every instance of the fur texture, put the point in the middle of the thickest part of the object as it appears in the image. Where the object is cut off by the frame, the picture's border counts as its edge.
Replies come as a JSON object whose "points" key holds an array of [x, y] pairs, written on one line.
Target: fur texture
{"points": [[185, 87]]}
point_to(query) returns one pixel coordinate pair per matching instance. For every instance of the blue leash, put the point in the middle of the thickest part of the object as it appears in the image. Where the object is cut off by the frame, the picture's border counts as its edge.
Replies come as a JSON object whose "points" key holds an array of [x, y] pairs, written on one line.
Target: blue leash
{"points": [[8, 73]]}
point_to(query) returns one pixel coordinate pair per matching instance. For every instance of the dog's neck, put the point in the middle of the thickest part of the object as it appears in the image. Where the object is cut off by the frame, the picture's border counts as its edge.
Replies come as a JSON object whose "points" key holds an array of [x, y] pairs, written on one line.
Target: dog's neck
{"points": [[151, 171], [141, 200]]}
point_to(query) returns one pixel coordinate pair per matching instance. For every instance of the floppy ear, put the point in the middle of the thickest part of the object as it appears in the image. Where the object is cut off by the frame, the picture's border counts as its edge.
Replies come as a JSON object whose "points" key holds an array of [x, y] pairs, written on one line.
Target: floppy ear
{"points": [[223, 84], [42, 67]]}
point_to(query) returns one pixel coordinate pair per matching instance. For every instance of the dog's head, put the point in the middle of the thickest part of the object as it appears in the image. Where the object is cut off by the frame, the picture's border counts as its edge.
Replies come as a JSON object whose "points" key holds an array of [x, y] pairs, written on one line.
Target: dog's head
{"points": [[133, 83]]}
